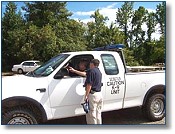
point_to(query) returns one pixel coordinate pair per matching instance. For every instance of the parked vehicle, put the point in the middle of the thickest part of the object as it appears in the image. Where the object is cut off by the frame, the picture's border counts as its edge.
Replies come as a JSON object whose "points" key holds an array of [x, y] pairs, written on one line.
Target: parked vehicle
{"points": [[26, 66], [49, 92]]}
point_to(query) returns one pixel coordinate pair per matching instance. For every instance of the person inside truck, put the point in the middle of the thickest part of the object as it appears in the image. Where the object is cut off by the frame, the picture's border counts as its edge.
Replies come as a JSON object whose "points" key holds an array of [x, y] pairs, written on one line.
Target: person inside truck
{"points": [[81, 71]]}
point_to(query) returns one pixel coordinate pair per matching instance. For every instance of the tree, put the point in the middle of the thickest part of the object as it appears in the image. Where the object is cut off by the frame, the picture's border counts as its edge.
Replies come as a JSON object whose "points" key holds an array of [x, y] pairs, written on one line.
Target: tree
{"points": [[70, 36], [151, 23], [129, 57], [47, 31], [99, 35], [44, 13], [114, 35], [123, 18], [12, 23], [100, 20], [159, 55], [160, 16], [159, 51], [96, 30], [138, 19], [62, 33], [11, 19]]}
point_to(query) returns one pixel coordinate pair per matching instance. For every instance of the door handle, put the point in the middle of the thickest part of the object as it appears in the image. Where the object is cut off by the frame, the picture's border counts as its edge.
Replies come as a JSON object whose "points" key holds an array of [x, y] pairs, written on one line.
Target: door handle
{"points": [[41, 90]]}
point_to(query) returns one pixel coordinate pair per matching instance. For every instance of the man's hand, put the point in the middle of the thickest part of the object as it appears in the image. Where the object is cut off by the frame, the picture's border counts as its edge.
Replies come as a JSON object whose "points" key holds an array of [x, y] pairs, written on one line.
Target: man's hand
{"points": [[85, 98], [71, 69]]}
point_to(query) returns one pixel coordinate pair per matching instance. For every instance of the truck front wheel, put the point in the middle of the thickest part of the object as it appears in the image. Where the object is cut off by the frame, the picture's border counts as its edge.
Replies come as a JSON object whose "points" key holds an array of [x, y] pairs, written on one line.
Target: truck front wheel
{"points": [[154, 109], [19, 117]]}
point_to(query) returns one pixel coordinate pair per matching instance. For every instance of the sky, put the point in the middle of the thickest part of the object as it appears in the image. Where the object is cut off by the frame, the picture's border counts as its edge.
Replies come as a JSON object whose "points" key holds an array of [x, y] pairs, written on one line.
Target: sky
{"points": [[82, 10]]}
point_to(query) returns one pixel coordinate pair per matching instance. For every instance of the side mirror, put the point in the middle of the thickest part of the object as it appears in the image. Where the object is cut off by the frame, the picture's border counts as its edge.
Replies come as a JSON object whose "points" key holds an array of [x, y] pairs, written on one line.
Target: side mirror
{"points": [[60, 74]]}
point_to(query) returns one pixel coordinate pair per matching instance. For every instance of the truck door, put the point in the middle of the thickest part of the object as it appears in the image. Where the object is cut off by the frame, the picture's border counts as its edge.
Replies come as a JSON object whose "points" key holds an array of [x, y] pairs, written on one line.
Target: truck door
{"points": [[114, 82], [66, 94]]}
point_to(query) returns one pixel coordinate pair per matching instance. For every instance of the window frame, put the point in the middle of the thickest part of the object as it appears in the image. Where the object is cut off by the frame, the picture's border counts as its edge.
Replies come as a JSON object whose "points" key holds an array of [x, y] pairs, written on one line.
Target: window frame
{"points": [[104, 64], [79, 57]]}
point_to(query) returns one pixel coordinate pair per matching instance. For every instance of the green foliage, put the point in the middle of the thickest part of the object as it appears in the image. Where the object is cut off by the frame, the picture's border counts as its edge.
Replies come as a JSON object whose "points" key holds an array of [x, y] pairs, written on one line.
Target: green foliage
{"points": [[97, 30], [151, 23], [138, 19], [12, 24], [43, 13], [129, 57], [41, 43], [47, 30], [142, 48], [150, 53], [123, 18], [98, 34], [70, 36], [158, 55], [160, 16]]}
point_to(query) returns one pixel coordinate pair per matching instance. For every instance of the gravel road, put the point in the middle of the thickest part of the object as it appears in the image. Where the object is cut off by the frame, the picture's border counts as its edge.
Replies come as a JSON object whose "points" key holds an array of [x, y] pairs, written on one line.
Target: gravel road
{"points": [[130, 116]]}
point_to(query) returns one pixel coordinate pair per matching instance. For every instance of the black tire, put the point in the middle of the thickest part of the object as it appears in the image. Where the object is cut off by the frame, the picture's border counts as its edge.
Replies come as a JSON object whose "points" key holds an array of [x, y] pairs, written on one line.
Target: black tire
{"points": [[19, 117], [20, 71], [154, 109]]}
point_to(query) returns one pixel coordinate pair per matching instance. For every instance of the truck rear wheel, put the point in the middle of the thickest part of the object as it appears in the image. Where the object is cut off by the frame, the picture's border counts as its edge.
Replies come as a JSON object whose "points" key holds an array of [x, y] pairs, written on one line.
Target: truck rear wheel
{"points": [[154, 108], [19, 117]]}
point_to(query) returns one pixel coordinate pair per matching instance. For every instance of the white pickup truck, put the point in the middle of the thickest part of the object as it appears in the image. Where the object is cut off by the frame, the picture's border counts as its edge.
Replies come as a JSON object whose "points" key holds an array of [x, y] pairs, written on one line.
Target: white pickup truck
{"points": [[50, 92]]}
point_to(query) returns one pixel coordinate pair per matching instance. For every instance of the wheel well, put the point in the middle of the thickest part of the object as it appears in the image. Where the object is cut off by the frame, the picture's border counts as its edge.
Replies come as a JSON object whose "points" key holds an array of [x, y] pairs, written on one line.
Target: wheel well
{"points": [[20, 69], [157, 89], [25, 102]]}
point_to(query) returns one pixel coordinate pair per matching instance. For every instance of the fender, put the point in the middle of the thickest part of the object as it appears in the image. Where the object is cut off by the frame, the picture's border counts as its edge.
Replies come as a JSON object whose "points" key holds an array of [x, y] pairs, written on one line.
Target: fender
{"points": [[27, 102], [154, 90]]}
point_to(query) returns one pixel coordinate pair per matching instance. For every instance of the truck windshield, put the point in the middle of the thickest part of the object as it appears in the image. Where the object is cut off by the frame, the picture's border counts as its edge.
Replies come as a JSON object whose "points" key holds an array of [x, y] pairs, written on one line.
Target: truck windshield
{"points": [[48, 67]]}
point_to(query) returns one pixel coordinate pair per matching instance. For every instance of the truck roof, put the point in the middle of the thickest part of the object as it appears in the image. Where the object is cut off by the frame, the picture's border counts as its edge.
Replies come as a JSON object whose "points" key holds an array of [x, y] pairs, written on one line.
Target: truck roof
{"points": [[105, 49], [89, 52]]}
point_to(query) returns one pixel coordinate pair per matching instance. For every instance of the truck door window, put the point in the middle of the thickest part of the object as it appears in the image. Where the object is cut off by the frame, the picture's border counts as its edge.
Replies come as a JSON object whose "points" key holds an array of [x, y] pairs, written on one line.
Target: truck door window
{"points": [[80, 63], [110, 65]]}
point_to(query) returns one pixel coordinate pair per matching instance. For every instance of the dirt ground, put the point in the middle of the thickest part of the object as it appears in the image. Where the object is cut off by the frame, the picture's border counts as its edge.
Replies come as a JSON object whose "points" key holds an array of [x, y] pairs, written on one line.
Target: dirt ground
{"points": [[130, 116]]}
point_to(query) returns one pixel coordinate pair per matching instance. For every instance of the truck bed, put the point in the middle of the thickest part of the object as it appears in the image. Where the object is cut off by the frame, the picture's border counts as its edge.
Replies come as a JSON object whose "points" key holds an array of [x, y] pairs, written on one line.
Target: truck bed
{"points": [[144, 68], [137, 85]]}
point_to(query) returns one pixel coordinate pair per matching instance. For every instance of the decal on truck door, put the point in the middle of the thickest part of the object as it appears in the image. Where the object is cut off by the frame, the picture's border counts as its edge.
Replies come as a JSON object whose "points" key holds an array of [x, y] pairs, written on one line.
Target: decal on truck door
{"points": [[114, 83]]}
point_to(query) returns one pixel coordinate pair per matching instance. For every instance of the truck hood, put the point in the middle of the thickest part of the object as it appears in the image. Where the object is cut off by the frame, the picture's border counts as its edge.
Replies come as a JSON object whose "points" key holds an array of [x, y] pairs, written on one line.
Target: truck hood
{"points": [[21, 85]]}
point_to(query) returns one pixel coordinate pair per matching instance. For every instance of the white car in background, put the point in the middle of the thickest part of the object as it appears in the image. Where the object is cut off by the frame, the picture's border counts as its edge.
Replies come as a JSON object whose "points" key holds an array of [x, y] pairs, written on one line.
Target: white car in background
{"points": [[26, 66]]}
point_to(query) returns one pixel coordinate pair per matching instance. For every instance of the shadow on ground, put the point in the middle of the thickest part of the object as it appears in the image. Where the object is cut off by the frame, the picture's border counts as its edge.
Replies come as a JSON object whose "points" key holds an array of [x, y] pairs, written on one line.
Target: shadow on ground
{"points": [[130, 116]]}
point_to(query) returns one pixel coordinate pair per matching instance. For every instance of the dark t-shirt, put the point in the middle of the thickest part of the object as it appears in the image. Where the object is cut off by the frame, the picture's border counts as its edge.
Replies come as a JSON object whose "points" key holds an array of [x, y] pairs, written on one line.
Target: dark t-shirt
{"points": [[94, 77]]}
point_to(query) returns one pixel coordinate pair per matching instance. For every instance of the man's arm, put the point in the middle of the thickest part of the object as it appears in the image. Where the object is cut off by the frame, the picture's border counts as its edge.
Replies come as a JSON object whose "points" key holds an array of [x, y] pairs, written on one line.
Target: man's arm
{"points": [[88, 89], [77, 72]]}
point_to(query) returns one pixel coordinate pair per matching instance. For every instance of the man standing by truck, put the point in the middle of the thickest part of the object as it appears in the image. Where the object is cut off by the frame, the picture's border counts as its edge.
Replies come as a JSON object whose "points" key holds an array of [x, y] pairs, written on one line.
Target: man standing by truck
{"points": [[93, 93]]}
